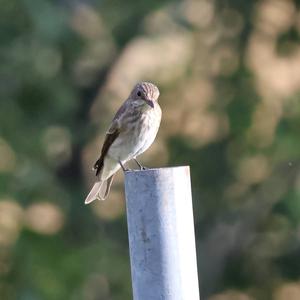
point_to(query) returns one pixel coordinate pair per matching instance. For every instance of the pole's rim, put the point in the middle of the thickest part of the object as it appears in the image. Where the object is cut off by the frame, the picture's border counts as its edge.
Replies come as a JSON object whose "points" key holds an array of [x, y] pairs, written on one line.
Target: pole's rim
{"points": [[156, 169]]}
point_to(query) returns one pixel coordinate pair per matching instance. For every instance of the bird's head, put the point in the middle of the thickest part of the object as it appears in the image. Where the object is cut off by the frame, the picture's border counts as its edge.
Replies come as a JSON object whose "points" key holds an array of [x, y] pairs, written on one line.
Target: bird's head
{"points": [[145, 93]]}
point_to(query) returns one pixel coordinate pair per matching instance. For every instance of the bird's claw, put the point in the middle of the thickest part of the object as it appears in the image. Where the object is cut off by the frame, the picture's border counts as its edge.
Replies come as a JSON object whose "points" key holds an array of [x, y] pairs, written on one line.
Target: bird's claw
{"points": [[142, 168], [123, 167]]}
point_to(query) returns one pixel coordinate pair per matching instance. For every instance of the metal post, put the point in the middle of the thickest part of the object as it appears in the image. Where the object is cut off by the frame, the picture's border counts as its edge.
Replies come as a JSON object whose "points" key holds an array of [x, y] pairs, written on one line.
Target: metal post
{"points": [[161, 234]]}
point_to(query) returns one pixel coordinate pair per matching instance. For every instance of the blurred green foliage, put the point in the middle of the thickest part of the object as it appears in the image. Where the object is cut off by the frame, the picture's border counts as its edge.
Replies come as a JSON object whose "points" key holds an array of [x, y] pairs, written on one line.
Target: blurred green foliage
{"points": [[229, 75]]}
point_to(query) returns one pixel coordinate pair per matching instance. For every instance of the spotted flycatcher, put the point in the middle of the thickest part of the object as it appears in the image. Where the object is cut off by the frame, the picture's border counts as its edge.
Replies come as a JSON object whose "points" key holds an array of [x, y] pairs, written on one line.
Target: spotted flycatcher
{"points": [[131, 132]]}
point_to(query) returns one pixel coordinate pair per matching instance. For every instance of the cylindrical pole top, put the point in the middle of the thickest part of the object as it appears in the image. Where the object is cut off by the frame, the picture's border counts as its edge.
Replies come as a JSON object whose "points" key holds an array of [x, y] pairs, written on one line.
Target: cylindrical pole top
{"points": [[161, 234]]}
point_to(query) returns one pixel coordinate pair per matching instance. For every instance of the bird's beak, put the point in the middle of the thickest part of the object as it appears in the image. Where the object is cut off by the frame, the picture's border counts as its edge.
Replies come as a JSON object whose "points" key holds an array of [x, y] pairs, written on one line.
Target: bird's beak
{"points": [[150, 102]]}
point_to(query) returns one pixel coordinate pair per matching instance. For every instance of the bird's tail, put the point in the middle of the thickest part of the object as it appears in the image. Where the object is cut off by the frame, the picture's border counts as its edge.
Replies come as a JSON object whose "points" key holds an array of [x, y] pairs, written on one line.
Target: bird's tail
{"points": [[100, 190]]}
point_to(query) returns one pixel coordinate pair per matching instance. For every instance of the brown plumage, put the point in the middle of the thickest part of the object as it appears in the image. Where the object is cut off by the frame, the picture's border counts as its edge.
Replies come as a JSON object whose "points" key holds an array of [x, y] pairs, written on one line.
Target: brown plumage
{"points": [[132, 131]]}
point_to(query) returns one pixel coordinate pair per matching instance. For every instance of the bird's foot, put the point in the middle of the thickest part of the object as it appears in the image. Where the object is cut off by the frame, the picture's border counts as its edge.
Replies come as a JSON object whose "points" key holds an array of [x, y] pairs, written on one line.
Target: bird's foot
{"points": [[142, 168], [123, 167]]}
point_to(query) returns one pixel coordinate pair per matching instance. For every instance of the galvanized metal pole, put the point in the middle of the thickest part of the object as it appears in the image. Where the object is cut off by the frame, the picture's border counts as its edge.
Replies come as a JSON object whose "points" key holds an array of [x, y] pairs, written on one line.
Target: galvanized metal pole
{"points": [[161, 234]]}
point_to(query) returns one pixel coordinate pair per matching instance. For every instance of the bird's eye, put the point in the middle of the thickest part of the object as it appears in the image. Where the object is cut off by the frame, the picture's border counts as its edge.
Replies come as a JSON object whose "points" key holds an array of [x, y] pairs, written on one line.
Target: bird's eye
{"points": [[139, 94]]}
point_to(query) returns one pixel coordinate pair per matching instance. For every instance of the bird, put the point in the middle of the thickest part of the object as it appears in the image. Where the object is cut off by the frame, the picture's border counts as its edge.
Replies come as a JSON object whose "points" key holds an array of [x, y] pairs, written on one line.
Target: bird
{"points": [[132, 131]]}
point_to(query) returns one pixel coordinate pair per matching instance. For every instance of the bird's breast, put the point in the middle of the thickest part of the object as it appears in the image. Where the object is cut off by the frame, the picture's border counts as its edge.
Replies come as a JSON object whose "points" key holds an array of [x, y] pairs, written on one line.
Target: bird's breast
{"points": [[138, 134]]}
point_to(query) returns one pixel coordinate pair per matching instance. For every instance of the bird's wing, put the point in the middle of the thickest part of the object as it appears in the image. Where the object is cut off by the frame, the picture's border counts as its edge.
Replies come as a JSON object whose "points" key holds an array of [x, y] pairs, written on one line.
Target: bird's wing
{"points": [[111, 135]]}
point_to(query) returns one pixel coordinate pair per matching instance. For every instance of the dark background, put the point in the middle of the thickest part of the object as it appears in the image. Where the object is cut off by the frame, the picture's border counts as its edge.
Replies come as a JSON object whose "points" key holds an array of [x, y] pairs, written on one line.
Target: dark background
{"points": [[229, 76]]}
